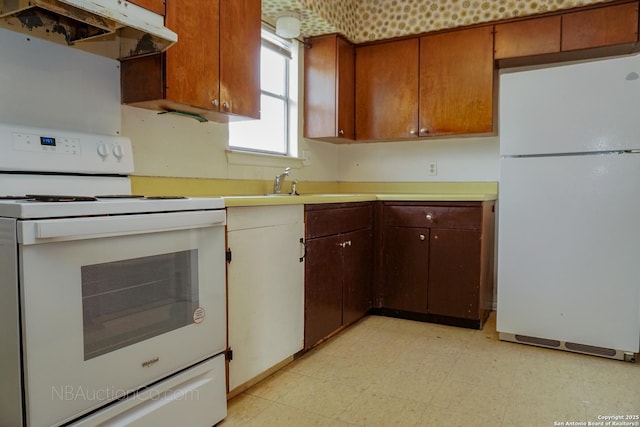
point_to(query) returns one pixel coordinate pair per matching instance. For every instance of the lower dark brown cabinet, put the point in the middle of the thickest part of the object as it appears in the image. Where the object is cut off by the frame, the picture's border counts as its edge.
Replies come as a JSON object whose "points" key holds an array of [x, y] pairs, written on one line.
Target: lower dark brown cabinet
{"points": [[337, 267], [437, 261]]}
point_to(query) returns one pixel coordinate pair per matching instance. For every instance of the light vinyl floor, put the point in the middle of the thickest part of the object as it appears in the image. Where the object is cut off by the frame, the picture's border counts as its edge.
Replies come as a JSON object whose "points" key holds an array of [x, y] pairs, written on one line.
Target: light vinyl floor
{"points": [[391, 372]]}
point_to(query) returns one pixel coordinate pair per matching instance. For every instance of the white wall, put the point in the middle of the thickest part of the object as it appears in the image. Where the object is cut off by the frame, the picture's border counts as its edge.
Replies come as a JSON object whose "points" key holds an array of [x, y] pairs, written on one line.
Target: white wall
{"points": [[166, 145], [459, 159]]}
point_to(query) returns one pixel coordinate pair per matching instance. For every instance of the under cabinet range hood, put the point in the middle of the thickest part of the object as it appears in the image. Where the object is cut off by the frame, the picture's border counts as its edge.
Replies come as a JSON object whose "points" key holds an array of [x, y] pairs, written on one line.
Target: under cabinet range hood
{"points": [[128, 29]]}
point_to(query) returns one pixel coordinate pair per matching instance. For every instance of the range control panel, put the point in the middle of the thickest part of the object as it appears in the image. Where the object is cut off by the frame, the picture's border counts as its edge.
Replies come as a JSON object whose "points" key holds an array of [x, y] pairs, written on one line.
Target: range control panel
{"points": [[30, 149], [31, 142]]}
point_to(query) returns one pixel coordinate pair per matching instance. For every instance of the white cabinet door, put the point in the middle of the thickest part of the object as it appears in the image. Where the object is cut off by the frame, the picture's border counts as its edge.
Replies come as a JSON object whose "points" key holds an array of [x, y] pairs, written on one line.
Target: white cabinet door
{"points": [[265, 288]]}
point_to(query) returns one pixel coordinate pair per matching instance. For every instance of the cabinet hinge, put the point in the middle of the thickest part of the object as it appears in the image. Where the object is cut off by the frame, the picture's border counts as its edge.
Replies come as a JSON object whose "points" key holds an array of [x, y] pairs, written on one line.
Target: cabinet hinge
{"points": [[228, 355], [228, 256]]}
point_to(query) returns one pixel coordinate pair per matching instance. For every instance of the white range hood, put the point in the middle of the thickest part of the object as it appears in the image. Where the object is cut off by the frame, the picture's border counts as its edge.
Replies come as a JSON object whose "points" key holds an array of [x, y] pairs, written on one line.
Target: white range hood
{"points": [[137, 30]]}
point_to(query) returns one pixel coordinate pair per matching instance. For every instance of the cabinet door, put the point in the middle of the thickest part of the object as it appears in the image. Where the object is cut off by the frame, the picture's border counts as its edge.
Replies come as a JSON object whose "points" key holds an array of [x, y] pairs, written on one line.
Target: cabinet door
{"points": [[192, 74], [323, 288], [406, 268], [457, 82], [600, 27], [239, 57], [346, 90], [528, 37], [266, 299], [454, 273], [320, 87], [387, 90], [357, 261], [329, 72], [156, 6]]}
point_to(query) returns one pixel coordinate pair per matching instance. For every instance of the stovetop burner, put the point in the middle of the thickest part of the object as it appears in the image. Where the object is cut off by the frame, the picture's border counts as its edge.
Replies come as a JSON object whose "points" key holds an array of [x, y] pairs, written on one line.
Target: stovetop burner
{"points": [[60, 198], [120, 196], [13, 197], [72, 198], [164, 197]]}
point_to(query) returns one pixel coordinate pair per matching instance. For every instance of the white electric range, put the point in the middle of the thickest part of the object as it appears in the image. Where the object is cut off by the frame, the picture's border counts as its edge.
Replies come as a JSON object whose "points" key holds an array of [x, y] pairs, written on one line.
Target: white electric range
{"points": [[112, 305]]}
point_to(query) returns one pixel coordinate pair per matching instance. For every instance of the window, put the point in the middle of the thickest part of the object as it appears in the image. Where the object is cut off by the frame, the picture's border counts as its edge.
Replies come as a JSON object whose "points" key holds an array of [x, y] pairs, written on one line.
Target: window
{"points": [[276, 131]]}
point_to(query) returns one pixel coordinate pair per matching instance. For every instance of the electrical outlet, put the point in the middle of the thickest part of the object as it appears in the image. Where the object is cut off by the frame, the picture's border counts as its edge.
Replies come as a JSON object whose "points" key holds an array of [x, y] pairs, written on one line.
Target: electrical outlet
{"points": [[432, 168], [306, 156]]}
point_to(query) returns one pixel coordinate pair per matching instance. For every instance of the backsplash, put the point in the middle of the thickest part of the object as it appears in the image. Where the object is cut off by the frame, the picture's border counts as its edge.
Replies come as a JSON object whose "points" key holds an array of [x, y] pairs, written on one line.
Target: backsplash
{"points": [[366, 20]]}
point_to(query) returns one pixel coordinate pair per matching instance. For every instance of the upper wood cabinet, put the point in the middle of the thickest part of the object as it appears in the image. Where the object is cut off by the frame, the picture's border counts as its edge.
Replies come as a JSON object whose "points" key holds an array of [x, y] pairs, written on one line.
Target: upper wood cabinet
{"points": [[214, 68], [157, 6], [529, 37], [457, 83], [434, 85], [600, 27], [329, 73], [590, 33], [387, 76]]}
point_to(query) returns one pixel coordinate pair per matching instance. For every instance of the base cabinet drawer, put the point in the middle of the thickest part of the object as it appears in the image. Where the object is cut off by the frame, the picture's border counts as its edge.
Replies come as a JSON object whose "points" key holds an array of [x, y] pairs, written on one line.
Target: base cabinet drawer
{"points": [[464, 217]]}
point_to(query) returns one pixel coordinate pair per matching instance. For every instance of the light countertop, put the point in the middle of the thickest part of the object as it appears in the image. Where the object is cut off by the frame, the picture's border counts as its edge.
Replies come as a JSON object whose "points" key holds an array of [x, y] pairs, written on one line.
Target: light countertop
{"points": [[265, 200]]}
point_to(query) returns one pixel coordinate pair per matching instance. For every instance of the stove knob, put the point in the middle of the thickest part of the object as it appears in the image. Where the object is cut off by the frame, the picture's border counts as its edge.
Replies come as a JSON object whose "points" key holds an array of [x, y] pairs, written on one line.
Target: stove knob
{"points": [[118, 151], [103, 150]]}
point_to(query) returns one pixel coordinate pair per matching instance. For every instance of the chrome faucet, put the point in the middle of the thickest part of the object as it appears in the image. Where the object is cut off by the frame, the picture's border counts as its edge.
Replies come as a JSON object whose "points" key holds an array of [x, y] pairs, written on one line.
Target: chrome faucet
{"points": [[277, 184]]}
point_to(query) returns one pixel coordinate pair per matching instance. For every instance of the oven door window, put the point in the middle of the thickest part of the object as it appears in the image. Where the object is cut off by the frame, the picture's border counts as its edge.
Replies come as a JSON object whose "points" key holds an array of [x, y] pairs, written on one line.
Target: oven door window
{"points": [[128, 301]]}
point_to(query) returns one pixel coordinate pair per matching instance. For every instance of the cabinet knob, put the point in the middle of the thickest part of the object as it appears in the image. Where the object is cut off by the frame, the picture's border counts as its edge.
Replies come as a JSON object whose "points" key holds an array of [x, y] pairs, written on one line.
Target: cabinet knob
{"points": [[226, 105], [429, 216], [348, 243], [422, 237], [424, 131], [341, 132], [413, 132], [215, 102]]}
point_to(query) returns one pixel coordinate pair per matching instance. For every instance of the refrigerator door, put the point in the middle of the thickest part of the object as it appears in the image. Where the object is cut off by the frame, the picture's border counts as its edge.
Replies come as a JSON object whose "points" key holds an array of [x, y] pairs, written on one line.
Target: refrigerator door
{"points": [[569, 249], [585, 107]]}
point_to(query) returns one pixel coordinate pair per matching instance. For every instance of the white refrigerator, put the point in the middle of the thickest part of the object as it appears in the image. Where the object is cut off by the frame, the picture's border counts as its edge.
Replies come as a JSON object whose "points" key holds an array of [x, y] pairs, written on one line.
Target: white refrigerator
{"points": [[569, 207]]}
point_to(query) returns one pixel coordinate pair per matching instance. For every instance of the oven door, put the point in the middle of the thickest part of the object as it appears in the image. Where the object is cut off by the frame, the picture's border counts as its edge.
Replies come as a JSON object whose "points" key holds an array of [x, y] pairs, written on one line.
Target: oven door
{"points": [[111, 304]]}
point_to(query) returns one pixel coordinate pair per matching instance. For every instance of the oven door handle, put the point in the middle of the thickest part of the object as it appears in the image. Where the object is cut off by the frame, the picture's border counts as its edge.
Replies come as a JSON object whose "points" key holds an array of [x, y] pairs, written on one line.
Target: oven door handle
{"points": [[48, 230]]}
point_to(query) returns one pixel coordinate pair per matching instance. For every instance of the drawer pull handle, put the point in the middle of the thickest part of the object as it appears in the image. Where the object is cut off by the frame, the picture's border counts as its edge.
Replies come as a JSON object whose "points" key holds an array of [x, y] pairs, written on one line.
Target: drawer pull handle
{"points": [[429, 216]]}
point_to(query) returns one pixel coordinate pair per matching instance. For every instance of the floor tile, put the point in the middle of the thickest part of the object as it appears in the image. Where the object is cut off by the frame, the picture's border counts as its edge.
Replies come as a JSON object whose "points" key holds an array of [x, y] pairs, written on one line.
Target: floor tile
{"points": [[242, 409], [279, 415], [320, 396], [372, 409]]}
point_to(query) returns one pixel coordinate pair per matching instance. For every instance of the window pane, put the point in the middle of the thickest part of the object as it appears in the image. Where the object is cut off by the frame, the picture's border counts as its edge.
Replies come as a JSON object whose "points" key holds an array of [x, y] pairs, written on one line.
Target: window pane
{"points": [[266, 134], [273, 72]]}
